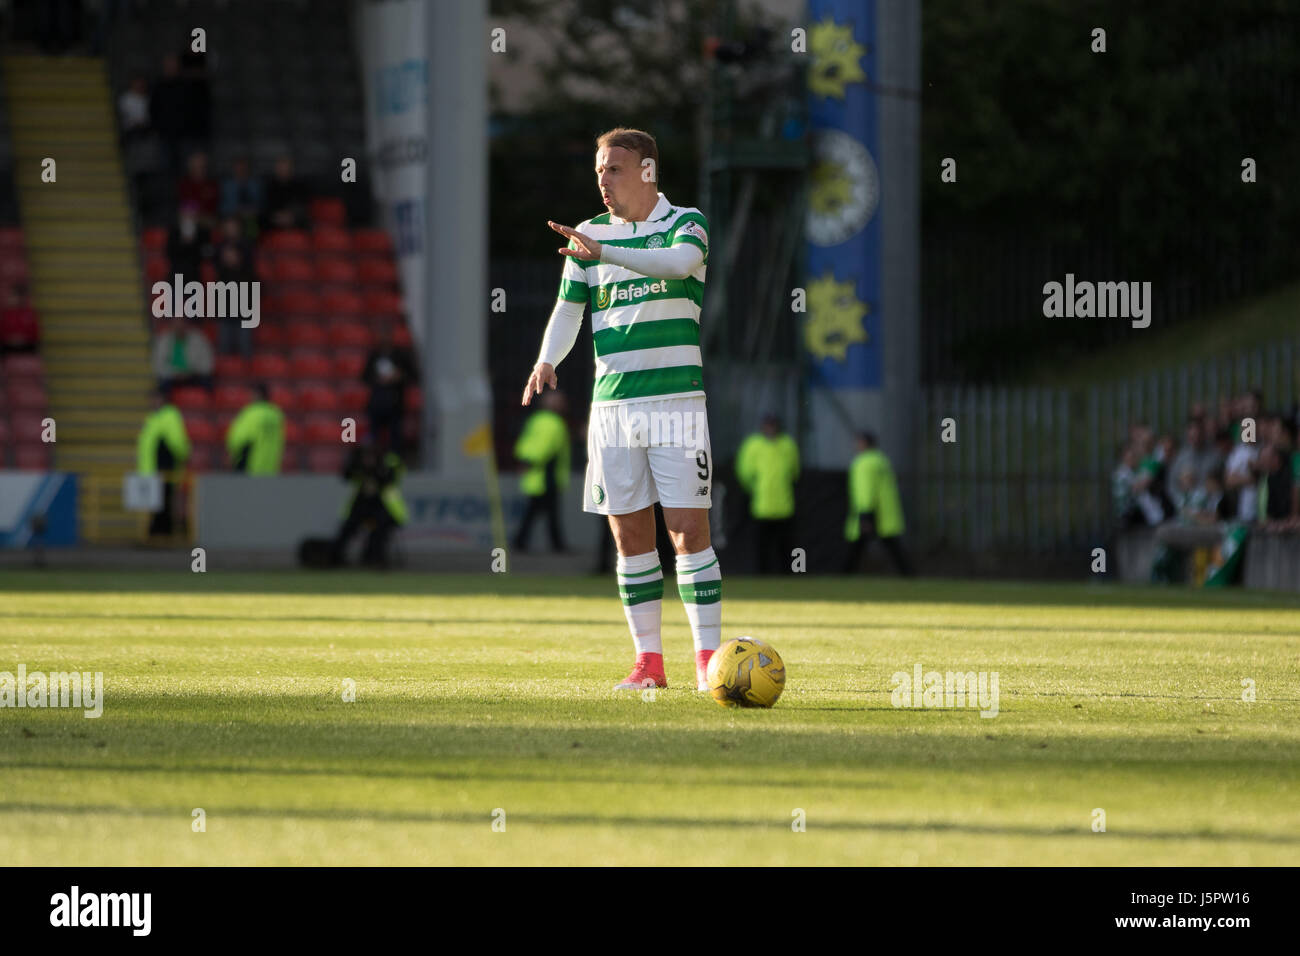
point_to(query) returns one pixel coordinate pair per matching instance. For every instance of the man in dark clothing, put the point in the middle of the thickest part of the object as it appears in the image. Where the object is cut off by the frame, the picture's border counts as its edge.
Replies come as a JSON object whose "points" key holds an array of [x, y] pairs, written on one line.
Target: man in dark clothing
{"points": [[286, 198], [376, 502], [167, 109], [187, 244], [388, 371]]}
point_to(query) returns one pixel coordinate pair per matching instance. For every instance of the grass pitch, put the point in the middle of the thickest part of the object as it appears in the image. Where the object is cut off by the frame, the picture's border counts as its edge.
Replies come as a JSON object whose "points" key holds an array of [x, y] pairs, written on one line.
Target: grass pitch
{"points": [[488, 693]]}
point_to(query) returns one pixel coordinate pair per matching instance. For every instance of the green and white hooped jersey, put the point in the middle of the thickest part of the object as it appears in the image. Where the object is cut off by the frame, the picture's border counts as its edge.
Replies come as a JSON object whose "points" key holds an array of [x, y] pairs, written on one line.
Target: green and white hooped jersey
{"points": [[646, 331]]}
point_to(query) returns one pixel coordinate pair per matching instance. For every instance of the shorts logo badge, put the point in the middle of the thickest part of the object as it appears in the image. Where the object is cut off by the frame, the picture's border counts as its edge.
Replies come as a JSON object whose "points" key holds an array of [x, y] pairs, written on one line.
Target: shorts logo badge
{"points": [[597, 494]]}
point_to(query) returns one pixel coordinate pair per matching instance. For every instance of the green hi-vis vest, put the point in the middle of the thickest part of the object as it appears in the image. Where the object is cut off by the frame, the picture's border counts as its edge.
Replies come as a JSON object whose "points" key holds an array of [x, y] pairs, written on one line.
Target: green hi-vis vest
{"points": [[545, 439], [165, 425], [767, 469], [259, 426], [390, 494], [872, 488]]}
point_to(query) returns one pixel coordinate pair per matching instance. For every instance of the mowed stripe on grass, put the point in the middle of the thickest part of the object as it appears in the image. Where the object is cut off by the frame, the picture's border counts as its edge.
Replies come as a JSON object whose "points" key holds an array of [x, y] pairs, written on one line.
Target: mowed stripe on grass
{"points": [[483, 694]]}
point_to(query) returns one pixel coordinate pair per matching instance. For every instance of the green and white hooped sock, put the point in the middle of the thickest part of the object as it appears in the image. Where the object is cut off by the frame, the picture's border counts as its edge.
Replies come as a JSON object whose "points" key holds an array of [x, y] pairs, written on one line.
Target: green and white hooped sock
{"points": [[641, 587], [699, 582]]}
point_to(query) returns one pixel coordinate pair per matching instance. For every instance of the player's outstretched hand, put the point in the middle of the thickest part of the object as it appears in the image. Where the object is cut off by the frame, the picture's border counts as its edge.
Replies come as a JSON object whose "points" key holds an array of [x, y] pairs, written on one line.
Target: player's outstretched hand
{"points": [[543, 375], [588, 248]]}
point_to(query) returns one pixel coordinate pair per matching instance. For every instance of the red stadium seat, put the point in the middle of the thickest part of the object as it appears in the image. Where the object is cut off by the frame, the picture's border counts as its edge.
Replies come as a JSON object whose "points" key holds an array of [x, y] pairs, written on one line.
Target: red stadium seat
{"points": [[311, 365], [207, 272], [32, 457], [269, 335], [331, 239], [283, 397], [26, 427], [27, 394], [300, 302], [372, 240], [4, 436], [191, 399], [377, 272], [157, 269], [402, 336], [13, 269], [264, 265], [294, 434], [381, 303], [348, 365], [230, 367], [327, 211], [11, 237], [231, 398], [317, 398], [201, 430], [335, 269], [23, 366], [327, 459], [414, 397], [343, 303], [283, 241], [354, 398], [294, 269], [350, 335], [154, 239], [319, 430], [19, 327], [307, 335]]}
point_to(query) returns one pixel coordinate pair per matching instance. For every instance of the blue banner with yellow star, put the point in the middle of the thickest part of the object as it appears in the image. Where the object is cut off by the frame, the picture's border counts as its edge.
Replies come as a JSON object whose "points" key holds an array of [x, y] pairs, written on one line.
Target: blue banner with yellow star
{"points": [[842, 327]]}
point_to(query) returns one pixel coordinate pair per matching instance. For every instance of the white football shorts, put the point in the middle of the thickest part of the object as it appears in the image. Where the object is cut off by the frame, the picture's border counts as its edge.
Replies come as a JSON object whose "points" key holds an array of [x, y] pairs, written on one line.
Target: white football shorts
{"points": [[646, 451]]}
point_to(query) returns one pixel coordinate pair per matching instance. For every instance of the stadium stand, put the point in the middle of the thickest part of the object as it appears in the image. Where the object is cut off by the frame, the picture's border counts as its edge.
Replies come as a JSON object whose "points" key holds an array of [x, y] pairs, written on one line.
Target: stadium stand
{"points": [[288, 88]]}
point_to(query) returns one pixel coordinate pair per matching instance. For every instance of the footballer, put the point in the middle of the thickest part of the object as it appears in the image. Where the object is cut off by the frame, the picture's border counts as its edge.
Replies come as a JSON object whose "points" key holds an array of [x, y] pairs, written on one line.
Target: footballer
{"points": [[640, 266]]}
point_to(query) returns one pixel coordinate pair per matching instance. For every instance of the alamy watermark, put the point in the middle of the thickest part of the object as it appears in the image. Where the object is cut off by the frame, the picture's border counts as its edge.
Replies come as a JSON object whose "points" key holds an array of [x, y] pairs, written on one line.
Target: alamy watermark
{"points": [[76, 689], [624, 427], [946, 691], [1098, 300], [208, 300]]}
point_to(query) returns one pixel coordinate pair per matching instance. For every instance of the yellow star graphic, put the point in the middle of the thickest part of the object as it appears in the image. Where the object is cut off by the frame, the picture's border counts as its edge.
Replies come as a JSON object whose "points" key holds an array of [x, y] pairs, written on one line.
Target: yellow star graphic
{"points": [[835, 315], [835, 58]]}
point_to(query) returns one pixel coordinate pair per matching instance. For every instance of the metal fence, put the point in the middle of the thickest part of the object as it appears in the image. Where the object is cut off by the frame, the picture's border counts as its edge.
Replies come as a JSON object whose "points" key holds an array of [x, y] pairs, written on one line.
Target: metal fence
{"points": [[1030, 468]]}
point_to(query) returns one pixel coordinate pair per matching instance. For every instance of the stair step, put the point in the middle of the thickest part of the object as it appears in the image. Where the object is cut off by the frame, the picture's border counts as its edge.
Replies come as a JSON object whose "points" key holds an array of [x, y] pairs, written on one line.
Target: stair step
{"points": [[108, 334]]}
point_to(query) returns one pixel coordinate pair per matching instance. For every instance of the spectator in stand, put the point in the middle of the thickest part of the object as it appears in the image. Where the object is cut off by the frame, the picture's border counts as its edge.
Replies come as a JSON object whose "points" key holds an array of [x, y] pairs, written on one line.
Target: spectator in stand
{"points": [[241, 197], [198, 98], [199, 189], [1273, 490], [20, 330], [1240, 480], [1196, 458], [167, 109], [389, 369], [1149, 485], [1286, 445], [133, 108], [187, 244], [234, 264], [1130, 494], [255, 441], [286, 198], [182, 356]]}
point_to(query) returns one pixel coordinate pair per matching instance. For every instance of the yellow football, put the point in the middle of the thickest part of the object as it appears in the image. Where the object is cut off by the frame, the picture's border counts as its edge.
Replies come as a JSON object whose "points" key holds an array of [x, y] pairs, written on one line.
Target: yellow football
{"points": [[746, 672]]}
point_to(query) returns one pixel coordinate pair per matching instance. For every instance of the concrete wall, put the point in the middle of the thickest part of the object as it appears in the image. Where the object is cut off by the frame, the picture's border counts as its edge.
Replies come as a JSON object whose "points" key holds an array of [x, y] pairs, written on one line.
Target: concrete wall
{"points": [[273, 514]]}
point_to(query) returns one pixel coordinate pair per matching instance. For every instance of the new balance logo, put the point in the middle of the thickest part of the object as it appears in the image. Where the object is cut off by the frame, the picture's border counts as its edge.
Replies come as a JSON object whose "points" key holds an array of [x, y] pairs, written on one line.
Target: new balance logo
{"points": [[702, 490]]}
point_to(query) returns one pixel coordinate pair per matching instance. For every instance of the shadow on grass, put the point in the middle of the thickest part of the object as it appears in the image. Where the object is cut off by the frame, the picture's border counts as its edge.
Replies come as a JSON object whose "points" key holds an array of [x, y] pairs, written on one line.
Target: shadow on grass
{"points": [[588, 820]]}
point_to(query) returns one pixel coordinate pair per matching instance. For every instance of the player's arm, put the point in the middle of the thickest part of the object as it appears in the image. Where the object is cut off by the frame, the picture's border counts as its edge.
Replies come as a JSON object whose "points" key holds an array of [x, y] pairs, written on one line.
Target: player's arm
{"points": [[561, 330], [675, 261]]}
